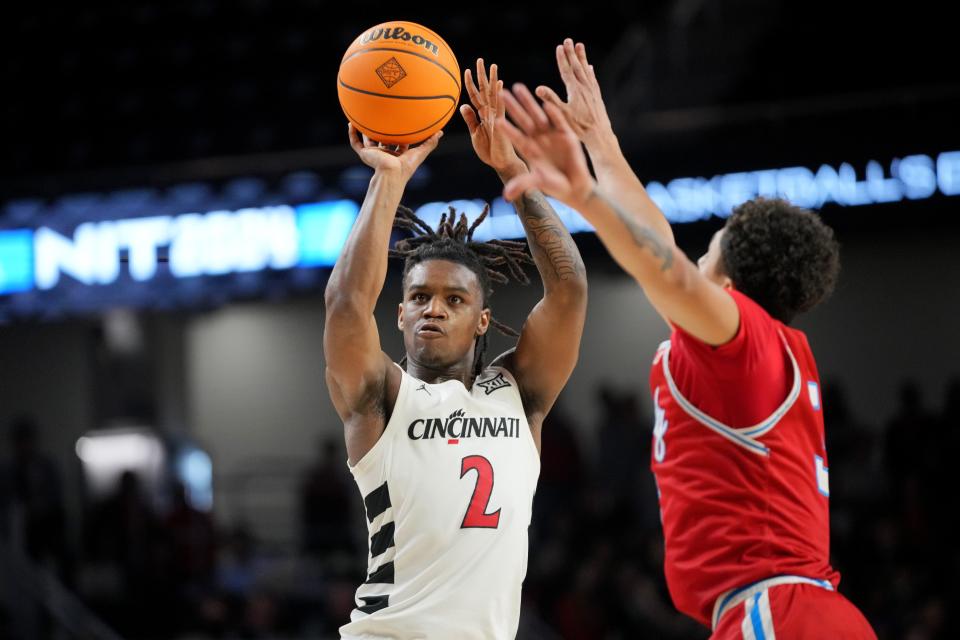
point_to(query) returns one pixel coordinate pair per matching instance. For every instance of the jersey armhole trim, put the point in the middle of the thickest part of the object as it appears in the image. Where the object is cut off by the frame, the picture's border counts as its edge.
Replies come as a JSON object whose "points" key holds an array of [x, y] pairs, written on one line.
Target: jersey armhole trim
{"points": [[746, 437], [519, 395], [364, 462]]}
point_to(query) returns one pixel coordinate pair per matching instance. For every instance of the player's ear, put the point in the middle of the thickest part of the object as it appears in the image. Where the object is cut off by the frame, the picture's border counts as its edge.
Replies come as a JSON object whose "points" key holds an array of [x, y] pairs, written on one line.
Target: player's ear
{"points": [[727, 283], [484, 324], [400, 317]]}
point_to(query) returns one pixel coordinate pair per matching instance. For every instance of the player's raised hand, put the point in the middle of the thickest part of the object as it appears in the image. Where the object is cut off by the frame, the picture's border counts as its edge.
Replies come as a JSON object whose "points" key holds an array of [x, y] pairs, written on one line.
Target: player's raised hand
{"points": [[584, 108], [490, 142], [403, 158], [543, 137]]}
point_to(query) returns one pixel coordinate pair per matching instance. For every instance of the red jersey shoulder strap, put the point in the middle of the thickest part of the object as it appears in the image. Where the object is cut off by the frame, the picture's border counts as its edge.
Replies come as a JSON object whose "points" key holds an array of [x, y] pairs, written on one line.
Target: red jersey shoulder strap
{"points": [[745, 437]]}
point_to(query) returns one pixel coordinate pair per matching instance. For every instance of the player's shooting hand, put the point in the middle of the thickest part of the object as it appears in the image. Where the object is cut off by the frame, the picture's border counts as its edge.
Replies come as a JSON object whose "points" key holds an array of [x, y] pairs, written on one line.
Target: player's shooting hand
{"points": [[402, 159], [490, 142], [542, 135], [584, 108]]}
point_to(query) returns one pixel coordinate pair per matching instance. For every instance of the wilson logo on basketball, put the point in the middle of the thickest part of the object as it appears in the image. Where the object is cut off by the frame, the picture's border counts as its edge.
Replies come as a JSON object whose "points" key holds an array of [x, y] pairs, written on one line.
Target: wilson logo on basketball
{"points": [[391, 90], [391, 72], [399, 33]]}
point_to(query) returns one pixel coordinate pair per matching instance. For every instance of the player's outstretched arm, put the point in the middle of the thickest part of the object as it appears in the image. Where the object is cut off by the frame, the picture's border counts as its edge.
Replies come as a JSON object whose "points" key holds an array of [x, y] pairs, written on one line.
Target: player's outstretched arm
{"points": [[558, 167], [550, 340], [356, 365], [586, 114]]}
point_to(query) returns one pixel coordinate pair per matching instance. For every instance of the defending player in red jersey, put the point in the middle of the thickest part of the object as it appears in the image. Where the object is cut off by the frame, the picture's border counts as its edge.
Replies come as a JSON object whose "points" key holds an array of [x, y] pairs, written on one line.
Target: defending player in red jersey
{"points": [[738, 449]]}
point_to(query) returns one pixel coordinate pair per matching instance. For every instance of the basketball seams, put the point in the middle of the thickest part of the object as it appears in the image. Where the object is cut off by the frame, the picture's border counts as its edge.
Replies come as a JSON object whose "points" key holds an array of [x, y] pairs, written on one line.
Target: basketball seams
{"points": [[456, 80], [402, 133], [393, 97]]}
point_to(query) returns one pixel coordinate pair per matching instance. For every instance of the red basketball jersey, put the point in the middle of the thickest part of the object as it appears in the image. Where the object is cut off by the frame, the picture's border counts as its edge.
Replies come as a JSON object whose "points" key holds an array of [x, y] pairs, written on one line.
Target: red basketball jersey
{"points": [[741, 503]]}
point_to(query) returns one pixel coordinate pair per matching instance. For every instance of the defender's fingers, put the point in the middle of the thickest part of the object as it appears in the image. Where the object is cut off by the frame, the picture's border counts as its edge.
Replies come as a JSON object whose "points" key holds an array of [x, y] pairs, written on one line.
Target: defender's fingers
{"points": [[518, 113], [557, 117], [566, 73], [574, 61], [547, 94], [531, 105], [524, 145]]}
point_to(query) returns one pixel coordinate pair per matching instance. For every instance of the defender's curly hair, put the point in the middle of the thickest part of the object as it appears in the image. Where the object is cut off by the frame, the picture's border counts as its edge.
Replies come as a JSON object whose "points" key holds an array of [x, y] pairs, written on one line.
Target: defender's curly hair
{"points": [[453, 240], [780, 255]]}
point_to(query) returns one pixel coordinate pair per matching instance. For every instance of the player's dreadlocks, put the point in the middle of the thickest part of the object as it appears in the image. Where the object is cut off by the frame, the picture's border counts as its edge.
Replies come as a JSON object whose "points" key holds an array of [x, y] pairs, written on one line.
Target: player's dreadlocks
{"points": [[453, 240]]}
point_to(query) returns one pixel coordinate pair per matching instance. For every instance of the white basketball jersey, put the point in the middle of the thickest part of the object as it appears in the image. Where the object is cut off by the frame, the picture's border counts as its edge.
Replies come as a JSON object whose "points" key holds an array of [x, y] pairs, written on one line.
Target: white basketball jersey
{"points": [[448, 491]]}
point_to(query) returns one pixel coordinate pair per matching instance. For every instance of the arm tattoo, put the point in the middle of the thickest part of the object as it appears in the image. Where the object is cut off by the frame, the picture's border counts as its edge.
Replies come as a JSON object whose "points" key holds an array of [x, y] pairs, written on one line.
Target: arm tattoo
{"points": [[644, 237], [550, 241]]}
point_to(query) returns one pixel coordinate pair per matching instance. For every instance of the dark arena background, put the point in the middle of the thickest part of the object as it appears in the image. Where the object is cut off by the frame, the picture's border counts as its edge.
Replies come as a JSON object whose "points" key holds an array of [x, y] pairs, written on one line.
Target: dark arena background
{"points": [[170, 464]]}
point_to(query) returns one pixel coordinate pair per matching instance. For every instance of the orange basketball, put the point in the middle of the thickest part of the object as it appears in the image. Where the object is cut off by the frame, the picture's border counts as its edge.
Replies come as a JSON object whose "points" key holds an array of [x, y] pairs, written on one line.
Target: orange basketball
{"points": [[399, 83]]}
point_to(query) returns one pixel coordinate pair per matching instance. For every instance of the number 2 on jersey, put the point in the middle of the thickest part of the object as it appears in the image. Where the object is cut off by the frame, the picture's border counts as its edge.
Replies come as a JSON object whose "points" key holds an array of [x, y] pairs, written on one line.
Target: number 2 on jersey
{"points": [[476, 516]]}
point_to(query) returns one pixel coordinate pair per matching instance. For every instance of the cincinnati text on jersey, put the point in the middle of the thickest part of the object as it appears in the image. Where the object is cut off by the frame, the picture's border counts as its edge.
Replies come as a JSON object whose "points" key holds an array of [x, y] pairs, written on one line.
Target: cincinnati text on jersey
{"points": [[459, 426]]}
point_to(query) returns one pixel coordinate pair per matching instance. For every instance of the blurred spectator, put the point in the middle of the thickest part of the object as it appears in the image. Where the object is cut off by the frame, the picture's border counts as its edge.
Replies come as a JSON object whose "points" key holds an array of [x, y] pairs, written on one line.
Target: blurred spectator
{"points": [[327, 498], [859, 482], [261, 616], [561, 465], [191, 549], [125, 528], [620, 438], [910, 425], [31, 499], [32, 526], [245, 606], [239, 564], [623, 455], [126, 534], [192, 540]]}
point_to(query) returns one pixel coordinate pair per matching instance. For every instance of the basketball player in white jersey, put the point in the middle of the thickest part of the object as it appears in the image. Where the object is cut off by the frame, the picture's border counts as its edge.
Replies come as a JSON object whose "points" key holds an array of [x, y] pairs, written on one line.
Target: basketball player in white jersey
{"points": [[446, 450]]}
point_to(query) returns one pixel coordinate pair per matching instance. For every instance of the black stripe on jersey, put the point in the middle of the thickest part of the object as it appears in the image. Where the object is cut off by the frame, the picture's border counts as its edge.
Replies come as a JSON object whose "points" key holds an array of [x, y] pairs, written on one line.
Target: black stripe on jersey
{"points": [[383, 575], [381, 540], [374, 603], [377, 501]]}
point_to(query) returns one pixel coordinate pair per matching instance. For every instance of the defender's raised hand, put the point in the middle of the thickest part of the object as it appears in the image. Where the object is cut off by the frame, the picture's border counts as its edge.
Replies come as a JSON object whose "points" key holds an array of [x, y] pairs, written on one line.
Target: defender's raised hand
{"points": [[542, 135], [587, 115], [490, 142], [584, 108]]}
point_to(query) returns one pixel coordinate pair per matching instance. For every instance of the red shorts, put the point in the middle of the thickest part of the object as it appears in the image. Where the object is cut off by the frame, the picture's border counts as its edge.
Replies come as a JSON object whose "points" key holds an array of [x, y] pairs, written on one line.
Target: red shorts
{"points": [[794, 612]]}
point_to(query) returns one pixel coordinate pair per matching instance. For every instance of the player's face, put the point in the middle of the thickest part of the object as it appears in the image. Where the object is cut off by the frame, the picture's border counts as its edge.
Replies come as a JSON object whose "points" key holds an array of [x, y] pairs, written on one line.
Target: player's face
{"points": [[710, 262], [442, 313]]}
